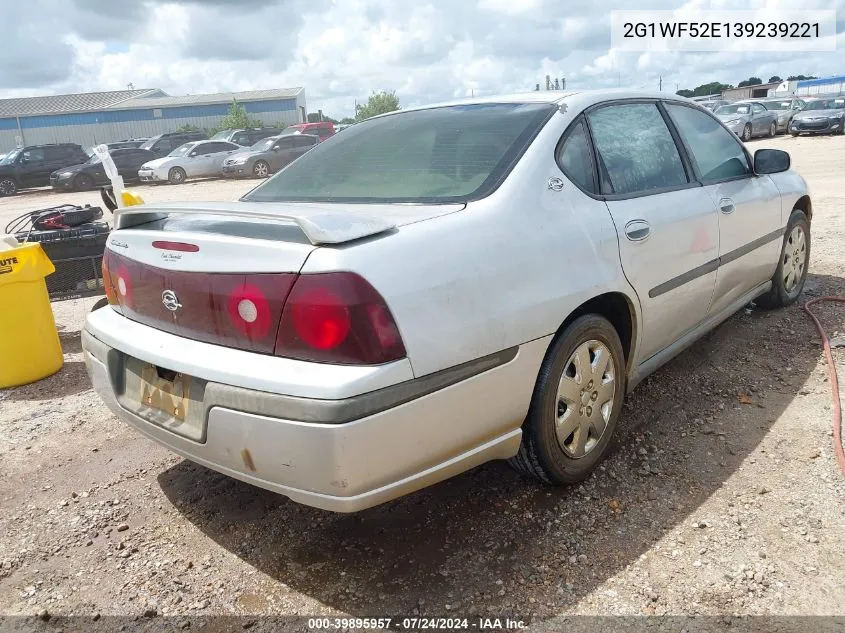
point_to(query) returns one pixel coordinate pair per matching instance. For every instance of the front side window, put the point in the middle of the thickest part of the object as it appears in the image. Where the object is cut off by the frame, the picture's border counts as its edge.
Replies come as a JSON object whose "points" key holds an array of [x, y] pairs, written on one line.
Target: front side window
{"points": [[757, 108], [452, 153], [636, 149], [714, 150], [34, 155], [575, 159]]}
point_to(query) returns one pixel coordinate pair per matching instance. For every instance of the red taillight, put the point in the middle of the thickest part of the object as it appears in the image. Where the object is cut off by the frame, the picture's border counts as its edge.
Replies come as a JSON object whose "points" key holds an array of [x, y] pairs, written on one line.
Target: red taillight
{"points": [[107, 283], [249, 311], [338, 318]]}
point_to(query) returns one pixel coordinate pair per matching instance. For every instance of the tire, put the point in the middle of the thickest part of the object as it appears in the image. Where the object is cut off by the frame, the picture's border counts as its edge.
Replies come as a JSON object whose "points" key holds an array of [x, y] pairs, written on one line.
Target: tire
{"points": [[773, 130], [8, 187], [83, 182], [101, 303], [176, 176], [746, 133], [545, 454], [791, 273], [794, 134], [261, 169]]}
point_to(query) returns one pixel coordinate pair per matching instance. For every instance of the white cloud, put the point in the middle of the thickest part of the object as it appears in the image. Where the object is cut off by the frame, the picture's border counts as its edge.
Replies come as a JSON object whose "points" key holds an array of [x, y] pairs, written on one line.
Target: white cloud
{"points": [[342, 50]]}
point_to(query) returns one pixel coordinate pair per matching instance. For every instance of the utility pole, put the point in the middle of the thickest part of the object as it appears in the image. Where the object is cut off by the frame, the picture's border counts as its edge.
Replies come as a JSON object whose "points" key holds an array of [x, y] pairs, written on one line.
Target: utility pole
{"points": [[660, 84]]}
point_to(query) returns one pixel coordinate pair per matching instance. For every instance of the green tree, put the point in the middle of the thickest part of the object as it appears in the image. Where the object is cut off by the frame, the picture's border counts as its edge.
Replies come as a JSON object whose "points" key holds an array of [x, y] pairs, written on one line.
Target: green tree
{"points": [[714, 87], [188, 128], [775, 79], [347, 120], [378, 103], [236, 118], [751, 81], [800, 77], [685, 93]]}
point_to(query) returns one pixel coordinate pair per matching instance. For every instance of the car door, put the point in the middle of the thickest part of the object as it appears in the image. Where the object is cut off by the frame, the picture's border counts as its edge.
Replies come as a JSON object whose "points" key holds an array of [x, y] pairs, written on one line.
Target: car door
{"points": [[760, 119], [667, 230], [748, 206], [34, 169], [199, 160], [284, 151], [125, 163], [302, 144]]}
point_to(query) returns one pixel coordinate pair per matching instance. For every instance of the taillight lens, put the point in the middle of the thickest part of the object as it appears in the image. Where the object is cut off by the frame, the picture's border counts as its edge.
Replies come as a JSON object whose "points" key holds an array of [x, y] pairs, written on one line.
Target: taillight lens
{"points": [[338, 318], [107, 282]]}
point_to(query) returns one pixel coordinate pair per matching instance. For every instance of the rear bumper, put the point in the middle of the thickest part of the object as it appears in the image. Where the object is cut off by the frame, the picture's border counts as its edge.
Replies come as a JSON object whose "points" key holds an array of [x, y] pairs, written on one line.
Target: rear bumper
{"points": [[350, 453]]}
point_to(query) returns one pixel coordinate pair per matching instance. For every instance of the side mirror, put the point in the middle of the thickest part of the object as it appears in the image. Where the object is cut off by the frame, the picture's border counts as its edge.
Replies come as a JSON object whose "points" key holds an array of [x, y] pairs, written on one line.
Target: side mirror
{"points": [[771, 161], [192, 155], [275, 148]]}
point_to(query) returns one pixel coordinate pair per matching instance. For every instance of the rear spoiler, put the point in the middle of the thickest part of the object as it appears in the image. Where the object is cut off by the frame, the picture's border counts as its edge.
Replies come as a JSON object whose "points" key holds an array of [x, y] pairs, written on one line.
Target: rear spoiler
{"points": [[320, 225]]}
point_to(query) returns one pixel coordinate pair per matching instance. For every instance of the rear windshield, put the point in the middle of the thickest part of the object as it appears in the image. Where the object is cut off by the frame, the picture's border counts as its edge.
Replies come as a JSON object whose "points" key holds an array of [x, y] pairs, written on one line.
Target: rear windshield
{"points": [[447, 154]]}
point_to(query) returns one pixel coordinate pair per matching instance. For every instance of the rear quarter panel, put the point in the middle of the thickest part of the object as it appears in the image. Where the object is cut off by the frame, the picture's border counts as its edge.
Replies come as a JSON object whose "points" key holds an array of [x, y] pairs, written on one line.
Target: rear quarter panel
{"points": [[504, 271]]}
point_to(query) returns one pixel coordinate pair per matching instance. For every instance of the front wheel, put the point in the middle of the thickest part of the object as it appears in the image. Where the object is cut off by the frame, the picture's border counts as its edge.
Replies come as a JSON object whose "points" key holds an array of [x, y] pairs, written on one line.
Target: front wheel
{"points": [[83, 182], [788, 280], [261, 169], [746, 132], [176, 176], [576, 404], [8, 187], [773, 130]]}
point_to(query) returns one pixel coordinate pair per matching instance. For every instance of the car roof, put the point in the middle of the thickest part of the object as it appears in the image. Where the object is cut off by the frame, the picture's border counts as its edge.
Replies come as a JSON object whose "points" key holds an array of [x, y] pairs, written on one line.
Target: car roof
{"points": [[579, 99]]}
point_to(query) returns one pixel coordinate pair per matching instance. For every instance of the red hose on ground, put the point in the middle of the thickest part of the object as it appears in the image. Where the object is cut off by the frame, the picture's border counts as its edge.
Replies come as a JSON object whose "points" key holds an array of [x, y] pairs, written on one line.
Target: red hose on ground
{"points": [[834, 381]]}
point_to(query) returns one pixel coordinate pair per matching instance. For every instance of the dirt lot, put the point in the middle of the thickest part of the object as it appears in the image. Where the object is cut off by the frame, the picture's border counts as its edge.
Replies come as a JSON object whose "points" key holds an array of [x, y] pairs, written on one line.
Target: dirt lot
{"points": [[724, 499]]}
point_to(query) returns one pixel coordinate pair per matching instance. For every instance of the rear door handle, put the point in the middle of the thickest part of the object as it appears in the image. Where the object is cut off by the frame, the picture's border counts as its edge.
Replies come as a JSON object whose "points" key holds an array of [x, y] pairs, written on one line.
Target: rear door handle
{"points": [[726, 205], [637, 230]]}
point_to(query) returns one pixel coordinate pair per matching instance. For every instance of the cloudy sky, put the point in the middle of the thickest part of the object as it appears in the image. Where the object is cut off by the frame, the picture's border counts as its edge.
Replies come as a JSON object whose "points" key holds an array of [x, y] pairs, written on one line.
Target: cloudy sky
{"points": [[340, 50]]}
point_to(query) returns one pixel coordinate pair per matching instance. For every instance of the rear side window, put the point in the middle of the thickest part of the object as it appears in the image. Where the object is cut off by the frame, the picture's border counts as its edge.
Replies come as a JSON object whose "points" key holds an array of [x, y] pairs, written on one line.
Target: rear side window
{"points": [[575, 158], [636, 149], [715, 151], [452, 153]]}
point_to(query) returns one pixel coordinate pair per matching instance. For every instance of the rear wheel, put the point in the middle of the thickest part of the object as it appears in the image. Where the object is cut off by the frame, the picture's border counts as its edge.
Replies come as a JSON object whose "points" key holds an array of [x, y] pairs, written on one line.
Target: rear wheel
{"points": [[261, 169], [83, 182], [788, 280], [576, 404], [8, 187], [746, 132], [176, 176]]}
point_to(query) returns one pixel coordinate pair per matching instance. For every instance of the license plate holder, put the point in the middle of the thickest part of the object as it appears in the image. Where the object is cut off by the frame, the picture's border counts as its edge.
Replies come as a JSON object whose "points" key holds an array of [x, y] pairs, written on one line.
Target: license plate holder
{"points": [[159, 393]]}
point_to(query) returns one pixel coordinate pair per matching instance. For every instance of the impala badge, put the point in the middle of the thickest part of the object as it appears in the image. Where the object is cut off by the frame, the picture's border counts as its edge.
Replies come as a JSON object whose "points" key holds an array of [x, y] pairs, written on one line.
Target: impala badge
{"points": [[170, 300]]}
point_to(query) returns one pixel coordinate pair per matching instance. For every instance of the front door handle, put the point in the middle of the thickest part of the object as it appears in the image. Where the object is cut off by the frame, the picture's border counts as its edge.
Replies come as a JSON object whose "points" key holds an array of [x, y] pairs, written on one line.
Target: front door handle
{"points": [[637, 230], [726, 205]]}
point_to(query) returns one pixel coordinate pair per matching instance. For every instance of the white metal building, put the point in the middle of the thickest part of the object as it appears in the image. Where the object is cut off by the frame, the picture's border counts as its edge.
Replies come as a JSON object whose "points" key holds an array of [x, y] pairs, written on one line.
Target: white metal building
{"points": [[104, 117]]}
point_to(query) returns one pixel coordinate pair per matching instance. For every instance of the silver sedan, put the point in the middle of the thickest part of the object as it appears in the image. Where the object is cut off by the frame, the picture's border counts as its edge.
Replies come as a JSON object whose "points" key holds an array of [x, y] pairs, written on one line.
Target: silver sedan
{"points": [[748, 119], [439, 287]]}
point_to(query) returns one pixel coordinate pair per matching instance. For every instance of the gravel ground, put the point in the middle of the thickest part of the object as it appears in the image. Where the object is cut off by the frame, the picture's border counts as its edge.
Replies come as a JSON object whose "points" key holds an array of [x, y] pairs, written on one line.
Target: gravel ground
{"points": [[724, 498]]}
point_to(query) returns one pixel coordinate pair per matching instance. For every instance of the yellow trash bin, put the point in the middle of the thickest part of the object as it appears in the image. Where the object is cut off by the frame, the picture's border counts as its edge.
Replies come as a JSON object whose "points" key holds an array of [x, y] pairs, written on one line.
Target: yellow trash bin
{"points": [[29, 342]]}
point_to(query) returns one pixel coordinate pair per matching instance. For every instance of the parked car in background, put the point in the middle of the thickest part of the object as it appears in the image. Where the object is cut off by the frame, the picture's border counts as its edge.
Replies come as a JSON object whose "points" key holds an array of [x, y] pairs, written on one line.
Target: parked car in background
{"points": [[268, 156], [163, 144], [825, 115], [785, 107], [92, 173], [192, 160], [31, 166], [131, 143], [713, 103], [440, 287], [246, 137], [322, 129], [748, 119]]}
